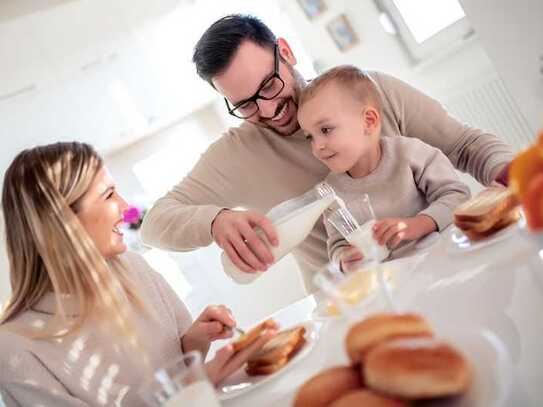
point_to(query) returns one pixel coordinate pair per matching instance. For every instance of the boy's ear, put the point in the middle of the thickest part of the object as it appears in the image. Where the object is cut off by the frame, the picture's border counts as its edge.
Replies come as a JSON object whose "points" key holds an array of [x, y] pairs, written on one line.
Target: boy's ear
{"points": [[285, 51], [371, 119]]}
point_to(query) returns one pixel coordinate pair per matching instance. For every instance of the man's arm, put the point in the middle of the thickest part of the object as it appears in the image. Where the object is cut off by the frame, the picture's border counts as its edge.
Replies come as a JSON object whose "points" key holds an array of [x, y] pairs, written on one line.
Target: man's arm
{"points": [[471, 150]]}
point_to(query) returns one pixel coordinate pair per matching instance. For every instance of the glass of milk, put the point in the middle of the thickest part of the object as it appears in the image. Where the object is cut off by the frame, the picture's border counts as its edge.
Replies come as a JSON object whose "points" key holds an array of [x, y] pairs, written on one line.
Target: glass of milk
{"points": [[354, 220], [181, 382]]}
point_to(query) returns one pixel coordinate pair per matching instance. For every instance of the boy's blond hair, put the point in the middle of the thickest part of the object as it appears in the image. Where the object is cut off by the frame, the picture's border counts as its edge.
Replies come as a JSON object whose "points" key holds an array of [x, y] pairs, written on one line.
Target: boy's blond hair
{"points": [[352, 79]]}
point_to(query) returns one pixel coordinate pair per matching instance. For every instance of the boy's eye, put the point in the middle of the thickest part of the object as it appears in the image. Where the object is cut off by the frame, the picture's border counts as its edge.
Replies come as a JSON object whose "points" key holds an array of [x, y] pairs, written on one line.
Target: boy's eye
{"points": [[308, 137], [110, 194], [326, 130]]}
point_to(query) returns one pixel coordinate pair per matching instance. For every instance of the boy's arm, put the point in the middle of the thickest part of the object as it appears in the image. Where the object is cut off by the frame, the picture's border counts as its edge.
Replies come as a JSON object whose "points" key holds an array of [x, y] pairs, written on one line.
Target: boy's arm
{"points": [[471, 150], [437, 180], [335, 242]]}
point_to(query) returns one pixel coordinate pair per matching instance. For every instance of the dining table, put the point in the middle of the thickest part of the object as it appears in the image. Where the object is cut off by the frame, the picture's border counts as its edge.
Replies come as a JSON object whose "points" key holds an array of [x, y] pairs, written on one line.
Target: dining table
{"points": [[483, 297]]}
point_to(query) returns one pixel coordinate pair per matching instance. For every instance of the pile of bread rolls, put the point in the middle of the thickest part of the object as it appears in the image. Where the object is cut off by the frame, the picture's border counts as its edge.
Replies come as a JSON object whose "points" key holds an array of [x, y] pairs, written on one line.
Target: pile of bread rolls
{"points": [[395, 359]]}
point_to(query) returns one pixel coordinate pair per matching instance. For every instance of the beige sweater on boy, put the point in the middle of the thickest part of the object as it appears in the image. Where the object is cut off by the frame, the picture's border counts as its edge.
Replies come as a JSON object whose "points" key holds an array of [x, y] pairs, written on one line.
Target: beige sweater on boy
{"points": [[90, 368], [256, 168], [412, 178]]}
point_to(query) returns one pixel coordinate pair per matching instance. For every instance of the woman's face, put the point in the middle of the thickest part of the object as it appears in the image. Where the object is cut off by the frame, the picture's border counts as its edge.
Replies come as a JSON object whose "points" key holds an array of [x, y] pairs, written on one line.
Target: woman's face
{"points": [[101, 213]]}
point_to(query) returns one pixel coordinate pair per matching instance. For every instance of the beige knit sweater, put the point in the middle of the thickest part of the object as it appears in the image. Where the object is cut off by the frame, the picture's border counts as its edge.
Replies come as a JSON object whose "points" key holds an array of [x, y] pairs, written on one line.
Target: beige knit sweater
{"points": [[411, 178], [256, 168], [90, 368]]}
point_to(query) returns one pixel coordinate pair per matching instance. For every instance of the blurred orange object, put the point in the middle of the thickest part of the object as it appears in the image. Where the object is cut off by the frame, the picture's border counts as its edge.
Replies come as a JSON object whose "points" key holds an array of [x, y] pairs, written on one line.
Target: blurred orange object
{"points": [[526, 179]]}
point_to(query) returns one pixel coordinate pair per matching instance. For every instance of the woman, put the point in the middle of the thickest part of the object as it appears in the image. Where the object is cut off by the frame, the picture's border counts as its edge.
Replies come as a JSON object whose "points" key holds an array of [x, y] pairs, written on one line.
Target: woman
{"points": [[87, 322]]}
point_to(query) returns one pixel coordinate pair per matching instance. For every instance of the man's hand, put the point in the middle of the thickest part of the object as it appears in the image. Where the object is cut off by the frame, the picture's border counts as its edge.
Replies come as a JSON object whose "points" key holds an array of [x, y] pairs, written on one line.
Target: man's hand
{"points": [[234, 232], [393, 231], [226, 361], [215, 322], [351, 258]]}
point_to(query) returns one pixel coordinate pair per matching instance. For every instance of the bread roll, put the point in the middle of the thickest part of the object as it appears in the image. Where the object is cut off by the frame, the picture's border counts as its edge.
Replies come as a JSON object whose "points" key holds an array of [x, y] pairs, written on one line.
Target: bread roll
{"points": [[327, 386], [416, 368], [367, 398], [365, 335]]}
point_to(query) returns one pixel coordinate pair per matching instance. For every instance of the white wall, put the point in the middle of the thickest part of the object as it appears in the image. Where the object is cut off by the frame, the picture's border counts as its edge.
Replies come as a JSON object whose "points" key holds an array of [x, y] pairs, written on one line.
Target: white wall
{"points": [[382, 51], [512, 34], [4, 270]]}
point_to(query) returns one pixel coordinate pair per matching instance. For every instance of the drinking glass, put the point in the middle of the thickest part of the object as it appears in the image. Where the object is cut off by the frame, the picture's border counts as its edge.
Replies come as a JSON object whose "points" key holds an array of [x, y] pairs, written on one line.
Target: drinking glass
{"points": [[181, 382]]}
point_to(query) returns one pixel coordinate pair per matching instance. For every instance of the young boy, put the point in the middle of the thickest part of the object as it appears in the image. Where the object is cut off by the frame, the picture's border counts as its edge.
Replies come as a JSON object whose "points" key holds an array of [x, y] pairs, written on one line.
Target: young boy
{"points": [[412, 186]]}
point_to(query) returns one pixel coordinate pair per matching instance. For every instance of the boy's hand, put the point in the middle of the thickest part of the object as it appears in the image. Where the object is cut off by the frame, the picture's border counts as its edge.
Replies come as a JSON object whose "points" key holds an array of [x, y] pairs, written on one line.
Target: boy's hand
{"points": [[350, 257], [393, 231]]}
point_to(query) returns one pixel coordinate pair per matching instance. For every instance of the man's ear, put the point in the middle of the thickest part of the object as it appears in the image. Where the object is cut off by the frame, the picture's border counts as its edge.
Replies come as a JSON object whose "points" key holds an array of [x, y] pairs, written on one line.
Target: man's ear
{"points": [[371, 120], [285, 51]]}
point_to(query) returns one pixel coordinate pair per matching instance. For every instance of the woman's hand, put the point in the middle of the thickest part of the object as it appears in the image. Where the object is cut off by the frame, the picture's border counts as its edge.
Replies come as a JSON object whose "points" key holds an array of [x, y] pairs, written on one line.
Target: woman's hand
{"points": [[226, 361], [393, 231], [215, 322]]}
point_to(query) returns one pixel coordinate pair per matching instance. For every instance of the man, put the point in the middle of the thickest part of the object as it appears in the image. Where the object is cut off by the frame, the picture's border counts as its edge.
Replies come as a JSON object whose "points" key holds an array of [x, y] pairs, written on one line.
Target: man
{"points": [[267, 159]]}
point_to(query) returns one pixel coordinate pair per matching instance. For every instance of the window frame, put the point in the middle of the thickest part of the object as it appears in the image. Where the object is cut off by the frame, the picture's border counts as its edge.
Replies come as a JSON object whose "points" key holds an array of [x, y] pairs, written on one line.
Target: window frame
{"points": [[450, 36]]}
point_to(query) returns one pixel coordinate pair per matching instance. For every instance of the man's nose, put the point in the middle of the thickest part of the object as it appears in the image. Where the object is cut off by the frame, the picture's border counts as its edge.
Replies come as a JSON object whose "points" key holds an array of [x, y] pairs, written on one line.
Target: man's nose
{"points": [[267, 108]]}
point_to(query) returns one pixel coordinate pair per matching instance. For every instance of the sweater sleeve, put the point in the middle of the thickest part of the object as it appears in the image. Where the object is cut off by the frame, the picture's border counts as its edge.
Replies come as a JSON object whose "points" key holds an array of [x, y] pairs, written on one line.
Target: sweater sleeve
{"points": [[471, 150], [335, 242], [436, 179]]}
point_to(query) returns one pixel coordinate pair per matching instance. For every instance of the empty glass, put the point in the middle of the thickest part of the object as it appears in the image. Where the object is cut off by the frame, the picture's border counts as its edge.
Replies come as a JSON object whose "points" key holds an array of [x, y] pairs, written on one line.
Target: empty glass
{"points": [[181, 382]]}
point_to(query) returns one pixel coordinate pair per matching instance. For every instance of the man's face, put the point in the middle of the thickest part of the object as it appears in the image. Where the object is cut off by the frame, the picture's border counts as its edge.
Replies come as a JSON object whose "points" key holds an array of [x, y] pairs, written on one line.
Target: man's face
{"points": [[250, 67]]}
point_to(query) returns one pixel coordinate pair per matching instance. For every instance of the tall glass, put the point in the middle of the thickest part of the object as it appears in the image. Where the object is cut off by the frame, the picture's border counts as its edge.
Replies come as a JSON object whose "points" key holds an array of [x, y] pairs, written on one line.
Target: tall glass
{"points": [[181, 382], [347, 220]]}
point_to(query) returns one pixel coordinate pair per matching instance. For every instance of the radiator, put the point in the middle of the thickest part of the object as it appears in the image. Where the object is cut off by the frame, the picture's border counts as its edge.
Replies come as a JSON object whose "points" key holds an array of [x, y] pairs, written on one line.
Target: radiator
{"points": [[486, 104]]}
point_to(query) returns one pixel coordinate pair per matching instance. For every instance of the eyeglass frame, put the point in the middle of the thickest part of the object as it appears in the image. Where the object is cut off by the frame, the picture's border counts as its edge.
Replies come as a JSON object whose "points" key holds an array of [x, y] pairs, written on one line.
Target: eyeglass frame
{"points": [[256, 96]]}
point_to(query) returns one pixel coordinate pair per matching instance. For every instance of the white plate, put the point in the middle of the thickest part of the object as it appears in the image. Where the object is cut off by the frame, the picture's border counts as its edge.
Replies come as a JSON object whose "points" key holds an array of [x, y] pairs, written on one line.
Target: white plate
{"points": [[240, 383], [491, 368], [457, 242]]}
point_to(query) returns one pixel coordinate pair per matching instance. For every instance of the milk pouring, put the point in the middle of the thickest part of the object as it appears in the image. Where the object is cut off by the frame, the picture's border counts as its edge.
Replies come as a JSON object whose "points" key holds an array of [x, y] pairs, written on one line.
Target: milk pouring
{"points": [[293, 220]]}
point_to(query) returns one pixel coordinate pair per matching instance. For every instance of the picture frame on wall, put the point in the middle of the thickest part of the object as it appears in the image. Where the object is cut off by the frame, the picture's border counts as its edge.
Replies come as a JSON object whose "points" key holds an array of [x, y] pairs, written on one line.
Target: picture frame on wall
{"points": [[312, 8], [342, 32]]}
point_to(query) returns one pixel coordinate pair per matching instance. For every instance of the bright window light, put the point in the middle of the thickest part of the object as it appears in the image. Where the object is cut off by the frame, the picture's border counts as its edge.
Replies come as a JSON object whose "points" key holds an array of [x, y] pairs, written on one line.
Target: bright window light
{"points": [[426, 18]]}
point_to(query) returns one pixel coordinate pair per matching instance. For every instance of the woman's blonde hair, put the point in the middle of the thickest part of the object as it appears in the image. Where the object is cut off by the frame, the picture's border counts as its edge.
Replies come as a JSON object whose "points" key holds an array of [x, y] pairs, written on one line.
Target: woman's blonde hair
{"points": [[50, 250]]}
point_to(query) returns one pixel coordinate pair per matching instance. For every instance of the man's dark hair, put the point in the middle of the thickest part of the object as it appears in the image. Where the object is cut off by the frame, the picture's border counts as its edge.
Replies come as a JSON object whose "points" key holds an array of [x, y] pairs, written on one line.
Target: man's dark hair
{"points": [[217, 46]]}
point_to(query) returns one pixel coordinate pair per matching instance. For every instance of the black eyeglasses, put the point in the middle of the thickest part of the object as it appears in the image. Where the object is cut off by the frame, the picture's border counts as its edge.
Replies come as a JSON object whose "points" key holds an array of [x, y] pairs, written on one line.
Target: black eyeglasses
{"points": [[269, 89]]}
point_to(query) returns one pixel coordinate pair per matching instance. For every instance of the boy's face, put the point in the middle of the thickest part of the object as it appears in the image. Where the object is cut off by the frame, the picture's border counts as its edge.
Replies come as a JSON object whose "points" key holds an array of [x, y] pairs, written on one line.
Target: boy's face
{"points": [[338, 128]]}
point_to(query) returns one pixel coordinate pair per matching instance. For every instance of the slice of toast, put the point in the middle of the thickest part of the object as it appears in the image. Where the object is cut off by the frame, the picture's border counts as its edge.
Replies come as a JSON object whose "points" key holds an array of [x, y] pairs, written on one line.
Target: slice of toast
{"points": [[280, 346], [277, 352], [488, 206], [266, 369], [507, 220], [253, 334], [488, 226]]}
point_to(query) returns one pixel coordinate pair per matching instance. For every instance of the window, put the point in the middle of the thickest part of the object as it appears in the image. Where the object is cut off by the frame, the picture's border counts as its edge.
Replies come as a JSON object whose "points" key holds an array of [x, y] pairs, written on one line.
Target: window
{"points": [[427, 26]]}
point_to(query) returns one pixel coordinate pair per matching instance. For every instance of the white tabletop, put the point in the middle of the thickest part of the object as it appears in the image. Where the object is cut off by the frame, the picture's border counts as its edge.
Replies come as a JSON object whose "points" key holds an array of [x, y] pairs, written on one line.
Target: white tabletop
{"points": [[496, 289]]}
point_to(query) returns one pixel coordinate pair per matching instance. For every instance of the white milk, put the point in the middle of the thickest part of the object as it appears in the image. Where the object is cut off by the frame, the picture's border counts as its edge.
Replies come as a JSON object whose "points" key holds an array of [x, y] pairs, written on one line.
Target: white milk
{"points": [[292, 229], [362, 238], [197, 394]]}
